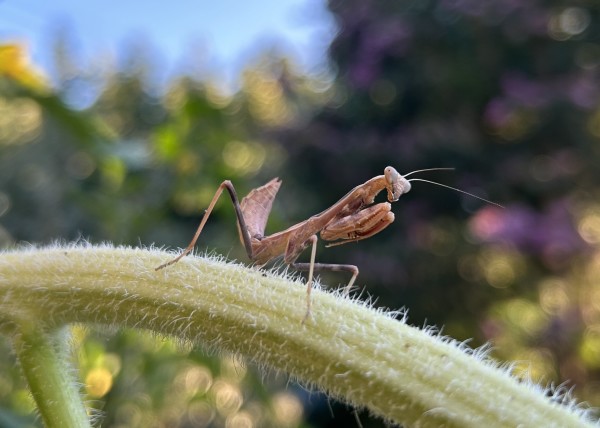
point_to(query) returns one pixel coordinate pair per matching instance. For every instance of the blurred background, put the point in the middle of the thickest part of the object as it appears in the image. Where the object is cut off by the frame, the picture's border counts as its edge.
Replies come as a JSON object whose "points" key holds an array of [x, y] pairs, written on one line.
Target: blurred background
{"points": [[118, 124]]}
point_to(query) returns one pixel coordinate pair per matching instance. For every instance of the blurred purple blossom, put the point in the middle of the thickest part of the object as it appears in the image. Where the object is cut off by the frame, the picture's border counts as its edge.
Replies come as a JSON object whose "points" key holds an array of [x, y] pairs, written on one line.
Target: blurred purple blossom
{"points": [[519, 19], [387, 38], [583, 91], [549, 234], [520, 91], [498, 112], [525, 91], [496, 8]]}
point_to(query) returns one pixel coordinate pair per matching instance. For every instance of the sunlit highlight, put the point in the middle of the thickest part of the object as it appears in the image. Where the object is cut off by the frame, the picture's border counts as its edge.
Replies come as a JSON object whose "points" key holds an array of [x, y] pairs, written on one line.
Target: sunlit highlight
{"points": [[240, 420], [288, 409], [554, 298], [200, 413], [500, 267], [98, 382], [568, 23], [589, 348], [266, 99], [525, 315], [228, 397], [20, 121], [244, 157], [589, 225]]}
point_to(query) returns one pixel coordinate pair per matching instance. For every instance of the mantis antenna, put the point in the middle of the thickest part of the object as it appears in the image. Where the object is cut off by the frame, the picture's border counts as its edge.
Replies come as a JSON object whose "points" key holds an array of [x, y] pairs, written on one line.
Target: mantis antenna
{"points": [[429, 169], [453, 188]]}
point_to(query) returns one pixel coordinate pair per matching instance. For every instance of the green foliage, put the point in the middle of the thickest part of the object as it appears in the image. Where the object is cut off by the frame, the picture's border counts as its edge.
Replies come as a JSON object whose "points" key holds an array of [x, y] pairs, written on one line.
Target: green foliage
{"points": [[506, 93]]}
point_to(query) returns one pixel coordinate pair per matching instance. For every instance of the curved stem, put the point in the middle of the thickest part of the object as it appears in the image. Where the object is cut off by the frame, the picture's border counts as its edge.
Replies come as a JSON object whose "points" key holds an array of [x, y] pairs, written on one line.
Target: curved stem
{"points": [[353, 352], [44, 361]]}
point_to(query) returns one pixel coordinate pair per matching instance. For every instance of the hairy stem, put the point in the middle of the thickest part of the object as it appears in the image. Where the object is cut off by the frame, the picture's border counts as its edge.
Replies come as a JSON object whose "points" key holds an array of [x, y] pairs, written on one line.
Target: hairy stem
{"points": [[45, 365], [355, 353]]}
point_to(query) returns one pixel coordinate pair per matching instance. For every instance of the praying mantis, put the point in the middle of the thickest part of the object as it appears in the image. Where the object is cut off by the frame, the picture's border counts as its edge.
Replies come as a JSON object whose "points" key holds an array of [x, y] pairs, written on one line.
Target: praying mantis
{"points": [[353, 218]]}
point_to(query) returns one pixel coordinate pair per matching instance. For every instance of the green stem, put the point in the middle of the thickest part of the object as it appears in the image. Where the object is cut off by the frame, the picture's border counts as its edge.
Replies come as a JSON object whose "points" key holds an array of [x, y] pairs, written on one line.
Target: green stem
{"points": [[353, 352], [45, 364]]}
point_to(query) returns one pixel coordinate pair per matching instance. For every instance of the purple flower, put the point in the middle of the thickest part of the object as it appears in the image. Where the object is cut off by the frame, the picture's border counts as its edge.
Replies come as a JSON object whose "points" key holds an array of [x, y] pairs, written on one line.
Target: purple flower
{"points": [[389, 38], [526, 92], [583, 91], [498, 112], [549, 234]]}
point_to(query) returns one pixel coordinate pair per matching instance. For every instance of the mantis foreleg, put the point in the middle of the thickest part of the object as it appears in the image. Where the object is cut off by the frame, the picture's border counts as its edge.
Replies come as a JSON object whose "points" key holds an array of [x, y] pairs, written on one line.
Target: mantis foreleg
{"points": [[361, 225]]}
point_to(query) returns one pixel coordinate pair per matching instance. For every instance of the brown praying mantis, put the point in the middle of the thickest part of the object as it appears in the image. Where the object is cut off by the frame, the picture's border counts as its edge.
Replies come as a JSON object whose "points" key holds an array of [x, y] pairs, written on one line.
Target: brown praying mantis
{"points": [[353, 218]]}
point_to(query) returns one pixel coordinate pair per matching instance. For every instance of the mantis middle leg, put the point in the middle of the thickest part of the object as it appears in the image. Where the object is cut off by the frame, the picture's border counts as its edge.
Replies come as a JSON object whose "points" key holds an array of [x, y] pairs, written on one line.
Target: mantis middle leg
{"points": [[311, 267], [355, 227]]}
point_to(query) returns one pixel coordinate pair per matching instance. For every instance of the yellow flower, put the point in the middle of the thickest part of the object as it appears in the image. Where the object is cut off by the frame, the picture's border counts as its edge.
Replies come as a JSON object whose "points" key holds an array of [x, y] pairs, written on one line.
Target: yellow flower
{"points": [[15, 65]]}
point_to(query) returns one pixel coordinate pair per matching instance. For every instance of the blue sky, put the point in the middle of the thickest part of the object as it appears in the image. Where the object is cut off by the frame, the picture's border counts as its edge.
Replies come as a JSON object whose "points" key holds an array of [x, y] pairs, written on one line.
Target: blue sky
{"points": [[228, 33]]}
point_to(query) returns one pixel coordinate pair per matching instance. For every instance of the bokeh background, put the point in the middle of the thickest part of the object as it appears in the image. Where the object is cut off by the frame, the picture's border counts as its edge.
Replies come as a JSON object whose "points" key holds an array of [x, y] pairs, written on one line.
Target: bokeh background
{"points": [[130, 149]]}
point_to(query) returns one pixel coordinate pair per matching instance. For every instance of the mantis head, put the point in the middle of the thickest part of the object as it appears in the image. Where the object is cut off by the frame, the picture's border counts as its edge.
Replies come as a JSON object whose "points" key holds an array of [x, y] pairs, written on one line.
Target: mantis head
{"points": [[398, 184], [395, 184]]}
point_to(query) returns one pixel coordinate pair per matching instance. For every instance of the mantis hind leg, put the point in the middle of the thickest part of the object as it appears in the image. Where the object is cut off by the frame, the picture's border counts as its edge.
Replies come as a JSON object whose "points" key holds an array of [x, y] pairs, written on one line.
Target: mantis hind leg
{"points": [[238, 211], [312, 266]]}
